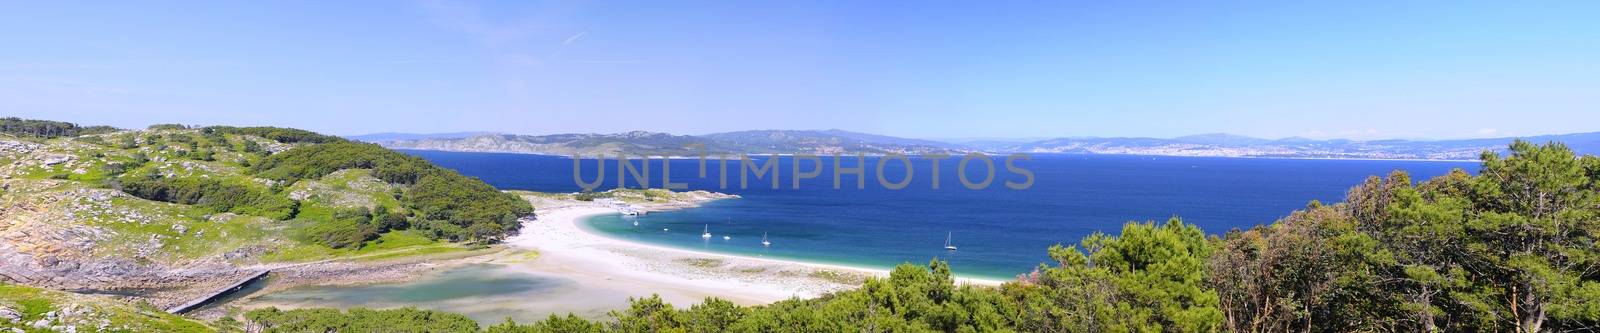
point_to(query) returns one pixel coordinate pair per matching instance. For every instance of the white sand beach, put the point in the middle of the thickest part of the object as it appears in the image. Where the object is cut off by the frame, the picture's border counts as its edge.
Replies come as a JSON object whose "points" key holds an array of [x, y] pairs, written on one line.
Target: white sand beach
{"points": [[575, 271], [680, 276]]}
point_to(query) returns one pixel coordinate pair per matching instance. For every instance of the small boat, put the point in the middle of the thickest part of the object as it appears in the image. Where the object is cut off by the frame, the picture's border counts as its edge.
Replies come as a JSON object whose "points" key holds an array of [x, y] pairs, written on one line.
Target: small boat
{"points": [[726, 237], [947, 245], [707, 233], [636, 223], [764, 241]]}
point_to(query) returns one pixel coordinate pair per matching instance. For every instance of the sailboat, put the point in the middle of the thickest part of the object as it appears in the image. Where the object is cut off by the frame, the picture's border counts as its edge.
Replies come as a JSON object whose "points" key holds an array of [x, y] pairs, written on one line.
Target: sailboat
{"points": [[726, 237], [764, 241], [707, 233], [947, 245]]}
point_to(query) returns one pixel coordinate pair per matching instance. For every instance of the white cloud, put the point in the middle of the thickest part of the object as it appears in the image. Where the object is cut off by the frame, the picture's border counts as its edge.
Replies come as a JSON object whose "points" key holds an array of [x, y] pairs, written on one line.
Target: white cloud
{"points": [[573, 39]]}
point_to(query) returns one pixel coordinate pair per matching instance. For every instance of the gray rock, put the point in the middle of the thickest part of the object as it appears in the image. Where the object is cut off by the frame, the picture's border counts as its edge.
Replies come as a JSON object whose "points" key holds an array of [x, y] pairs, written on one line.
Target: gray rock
{"points": [[57, 159], [7, 314]]}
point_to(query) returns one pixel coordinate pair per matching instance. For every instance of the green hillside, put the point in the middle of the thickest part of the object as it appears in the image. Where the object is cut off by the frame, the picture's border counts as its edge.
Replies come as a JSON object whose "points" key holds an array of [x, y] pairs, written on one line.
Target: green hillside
{"points": [[172, 193]]}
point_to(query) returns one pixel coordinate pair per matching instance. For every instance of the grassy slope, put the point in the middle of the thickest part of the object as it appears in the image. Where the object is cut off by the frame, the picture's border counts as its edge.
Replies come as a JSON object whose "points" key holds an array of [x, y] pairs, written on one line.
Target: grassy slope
{"points": [[86, 313], [188, 232], [344, 189]]}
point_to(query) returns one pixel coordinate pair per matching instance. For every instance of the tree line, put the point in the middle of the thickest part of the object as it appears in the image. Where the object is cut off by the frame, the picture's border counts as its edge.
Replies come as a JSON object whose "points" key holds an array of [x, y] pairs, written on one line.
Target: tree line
{"points": [[1511, 249], [48, 129], [279, 134]]}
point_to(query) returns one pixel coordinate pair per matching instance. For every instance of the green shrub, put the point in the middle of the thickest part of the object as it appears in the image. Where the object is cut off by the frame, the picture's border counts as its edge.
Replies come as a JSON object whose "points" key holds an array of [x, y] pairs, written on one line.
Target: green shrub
{"points": [[360, 320], [213, 194]]}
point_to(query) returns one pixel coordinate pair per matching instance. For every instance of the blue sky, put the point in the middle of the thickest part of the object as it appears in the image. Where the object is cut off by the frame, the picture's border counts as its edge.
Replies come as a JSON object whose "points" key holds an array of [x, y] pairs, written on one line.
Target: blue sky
{"points": [[932, 69]]}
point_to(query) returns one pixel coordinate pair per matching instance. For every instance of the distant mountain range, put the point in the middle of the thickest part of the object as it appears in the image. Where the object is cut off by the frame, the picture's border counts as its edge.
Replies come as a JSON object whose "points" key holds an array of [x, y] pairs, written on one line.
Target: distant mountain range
{"points": [[640, 143], [386, 137], [1225, 145], [829, 142]]}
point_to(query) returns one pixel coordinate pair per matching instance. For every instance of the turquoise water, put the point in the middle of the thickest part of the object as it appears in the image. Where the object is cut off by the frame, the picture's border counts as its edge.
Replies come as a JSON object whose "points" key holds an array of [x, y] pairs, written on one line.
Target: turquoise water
{"points": [[745, 239], [486, 292], [1000, 232]]}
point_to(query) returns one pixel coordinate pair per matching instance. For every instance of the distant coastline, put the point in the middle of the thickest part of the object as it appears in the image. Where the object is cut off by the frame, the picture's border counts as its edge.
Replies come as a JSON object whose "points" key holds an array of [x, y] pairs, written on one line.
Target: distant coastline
{"points": [[714, 156], [831, 142]]}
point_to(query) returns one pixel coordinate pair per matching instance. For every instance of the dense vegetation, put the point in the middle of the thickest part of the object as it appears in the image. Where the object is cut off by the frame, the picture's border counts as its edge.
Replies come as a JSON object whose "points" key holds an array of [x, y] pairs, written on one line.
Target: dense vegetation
{"points": [[279, 134], [1512, 249], [445, 203], [362, 320], [217, 195], [47, 129]]}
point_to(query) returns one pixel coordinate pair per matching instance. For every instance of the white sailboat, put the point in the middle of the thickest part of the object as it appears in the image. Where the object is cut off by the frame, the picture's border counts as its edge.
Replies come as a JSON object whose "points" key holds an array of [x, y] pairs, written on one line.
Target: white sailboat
{"points": [[707, 233], [726, 237], [947, 245], [764, 241]]}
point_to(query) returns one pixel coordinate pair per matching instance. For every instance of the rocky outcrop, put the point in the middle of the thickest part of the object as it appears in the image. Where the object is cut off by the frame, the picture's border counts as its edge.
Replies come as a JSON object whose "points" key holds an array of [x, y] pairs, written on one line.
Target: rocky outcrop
{"points": [[42, 245]]}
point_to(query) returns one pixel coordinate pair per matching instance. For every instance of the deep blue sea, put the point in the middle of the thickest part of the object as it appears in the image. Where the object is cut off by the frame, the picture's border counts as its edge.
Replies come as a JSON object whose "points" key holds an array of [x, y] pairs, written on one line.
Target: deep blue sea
{"points": [[1000, 232]]}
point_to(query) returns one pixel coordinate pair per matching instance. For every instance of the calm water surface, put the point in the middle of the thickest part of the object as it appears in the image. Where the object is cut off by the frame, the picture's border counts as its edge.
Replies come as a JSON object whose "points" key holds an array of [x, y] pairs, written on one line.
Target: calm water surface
{"points": [[1000, 232], [488, 293]]}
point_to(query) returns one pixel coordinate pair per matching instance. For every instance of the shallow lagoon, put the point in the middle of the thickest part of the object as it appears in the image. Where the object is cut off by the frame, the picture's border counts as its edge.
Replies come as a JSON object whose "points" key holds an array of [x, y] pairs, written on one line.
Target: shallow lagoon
{"points": [[488, 293]]}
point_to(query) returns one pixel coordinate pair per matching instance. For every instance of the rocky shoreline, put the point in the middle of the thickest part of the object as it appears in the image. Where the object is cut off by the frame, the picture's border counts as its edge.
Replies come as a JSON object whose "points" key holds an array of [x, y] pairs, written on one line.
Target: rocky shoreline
{"points": [[44, 243], [171, 287]]}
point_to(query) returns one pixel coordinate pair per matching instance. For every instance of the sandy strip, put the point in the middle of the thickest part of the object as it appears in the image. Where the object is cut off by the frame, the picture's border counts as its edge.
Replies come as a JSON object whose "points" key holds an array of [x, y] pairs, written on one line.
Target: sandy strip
{"points": [[680, 276]]}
